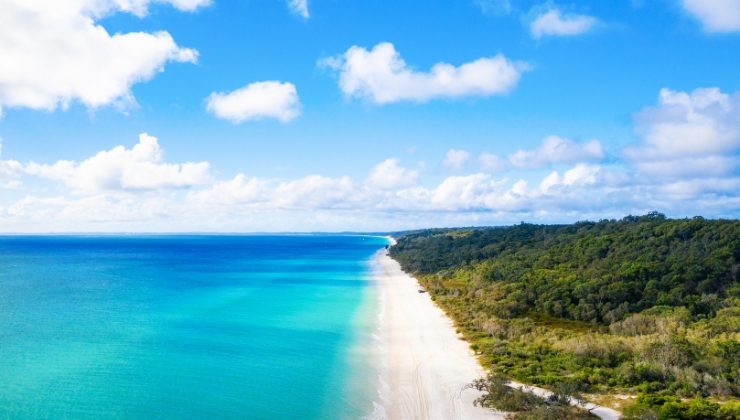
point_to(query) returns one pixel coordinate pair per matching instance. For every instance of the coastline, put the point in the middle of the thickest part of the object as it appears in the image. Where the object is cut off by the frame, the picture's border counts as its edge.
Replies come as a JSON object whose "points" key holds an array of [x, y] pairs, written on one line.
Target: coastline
{"points": [[425, 365]]}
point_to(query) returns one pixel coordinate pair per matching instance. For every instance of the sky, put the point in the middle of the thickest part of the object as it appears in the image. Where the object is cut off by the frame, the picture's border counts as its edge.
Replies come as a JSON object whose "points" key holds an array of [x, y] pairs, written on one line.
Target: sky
{"points": [[364, 115]]}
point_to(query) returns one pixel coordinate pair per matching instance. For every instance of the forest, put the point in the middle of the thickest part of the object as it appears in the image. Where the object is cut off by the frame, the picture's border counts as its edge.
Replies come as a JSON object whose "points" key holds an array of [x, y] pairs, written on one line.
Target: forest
{"points": [[642, 313]]}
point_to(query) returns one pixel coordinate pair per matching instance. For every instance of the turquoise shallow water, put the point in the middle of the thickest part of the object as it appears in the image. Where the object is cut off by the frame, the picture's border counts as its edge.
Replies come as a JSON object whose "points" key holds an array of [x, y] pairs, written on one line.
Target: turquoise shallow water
{"points": [[187, 327]]}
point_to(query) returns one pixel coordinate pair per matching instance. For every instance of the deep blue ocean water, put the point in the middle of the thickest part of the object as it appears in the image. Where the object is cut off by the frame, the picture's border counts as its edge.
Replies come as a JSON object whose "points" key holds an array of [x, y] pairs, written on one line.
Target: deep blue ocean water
{"points": [[186, 327]]}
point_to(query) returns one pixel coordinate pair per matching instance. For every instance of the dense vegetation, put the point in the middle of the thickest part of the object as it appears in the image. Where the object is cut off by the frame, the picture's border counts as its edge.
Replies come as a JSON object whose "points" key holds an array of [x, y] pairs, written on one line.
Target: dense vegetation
{"points": [[642, 305]]}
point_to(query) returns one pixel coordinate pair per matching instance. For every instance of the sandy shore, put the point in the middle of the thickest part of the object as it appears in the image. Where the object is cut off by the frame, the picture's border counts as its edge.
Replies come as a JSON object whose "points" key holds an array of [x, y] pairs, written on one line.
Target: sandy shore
{"points": [[426, 365]]}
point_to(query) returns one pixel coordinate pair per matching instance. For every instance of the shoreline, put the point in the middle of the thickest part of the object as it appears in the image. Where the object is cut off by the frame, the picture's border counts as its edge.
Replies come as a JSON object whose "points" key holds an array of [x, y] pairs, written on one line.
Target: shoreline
{"points": [[424, 364]]}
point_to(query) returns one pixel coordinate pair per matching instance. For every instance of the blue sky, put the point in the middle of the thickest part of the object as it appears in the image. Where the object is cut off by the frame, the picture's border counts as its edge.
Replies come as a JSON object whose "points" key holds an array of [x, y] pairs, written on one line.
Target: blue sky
{"points": [[272, 115]]}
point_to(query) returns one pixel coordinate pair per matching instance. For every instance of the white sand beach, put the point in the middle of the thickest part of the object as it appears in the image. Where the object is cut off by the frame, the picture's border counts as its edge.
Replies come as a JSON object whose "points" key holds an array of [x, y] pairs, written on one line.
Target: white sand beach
{"points": [[426, 364]]}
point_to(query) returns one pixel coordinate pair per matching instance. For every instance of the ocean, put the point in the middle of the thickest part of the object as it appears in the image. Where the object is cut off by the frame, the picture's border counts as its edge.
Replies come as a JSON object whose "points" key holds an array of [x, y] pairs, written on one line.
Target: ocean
{"points": [[187, 327]]}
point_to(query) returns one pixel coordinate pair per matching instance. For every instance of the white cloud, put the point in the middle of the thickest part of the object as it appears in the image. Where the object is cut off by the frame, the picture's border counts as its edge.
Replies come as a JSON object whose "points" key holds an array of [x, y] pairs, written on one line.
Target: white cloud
{"points": [[299, 7], [688, 167], [686, 124], [579, 176], [389, 174], [689, 135], [121, 169], [692, 188], [465, 192], [455, 159], [271, 99], [314, 192], [555, 150], [55, 53], [715, 15], [185, 5], [576, 188], [554, 23], [381, 76], [10, 171], [137, 7], [236, 191], [492, 163]]}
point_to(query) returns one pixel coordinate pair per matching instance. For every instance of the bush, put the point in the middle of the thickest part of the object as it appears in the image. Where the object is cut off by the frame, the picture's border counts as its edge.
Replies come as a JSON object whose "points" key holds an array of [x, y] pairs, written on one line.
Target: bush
{"points": [[639, 412], [497, 394], [729, 411], [524, 405], [671, 408], [550, 412]]}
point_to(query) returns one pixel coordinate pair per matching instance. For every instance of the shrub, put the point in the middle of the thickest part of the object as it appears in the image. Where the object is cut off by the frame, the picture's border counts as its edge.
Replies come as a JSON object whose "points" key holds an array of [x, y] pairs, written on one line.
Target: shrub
{"points": [[497, 394], [729, 411], [671, 408]]}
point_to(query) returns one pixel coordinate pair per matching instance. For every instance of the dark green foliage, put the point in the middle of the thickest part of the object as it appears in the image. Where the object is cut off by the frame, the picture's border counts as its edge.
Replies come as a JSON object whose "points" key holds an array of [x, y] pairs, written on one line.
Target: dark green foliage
{"points": [[596, 272], [672, 408], [552, 412]]}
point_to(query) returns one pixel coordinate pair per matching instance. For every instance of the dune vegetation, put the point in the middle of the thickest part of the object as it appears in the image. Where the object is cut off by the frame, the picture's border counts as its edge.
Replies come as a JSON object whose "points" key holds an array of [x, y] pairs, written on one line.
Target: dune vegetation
{"points": [[641, 313]]}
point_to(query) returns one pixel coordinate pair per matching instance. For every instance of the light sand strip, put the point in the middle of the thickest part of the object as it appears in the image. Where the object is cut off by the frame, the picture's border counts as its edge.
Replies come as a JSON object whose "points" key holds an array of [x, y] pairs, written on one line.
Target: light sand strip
{"points": [[427, 364]]}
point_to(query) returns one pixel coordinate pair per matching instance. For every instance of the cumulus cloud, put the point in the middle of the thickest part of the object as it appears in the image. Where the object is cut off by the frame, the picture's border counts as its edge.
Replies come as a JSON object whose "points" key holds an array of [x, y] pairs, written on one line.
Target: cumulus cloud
{"points": [[313, 192], [689, 134], [554, 150], [120, 169], [491, 162], [689, 123], [55, 53], [10, 171], [137, 7], [239, 190], [575, 189], [553, 22], [715, 15], [580, 175], [455, 159], [692, 188], [466, 192], [316, 192], [381, 76], [389, 174], [299, 7], [259, 100]]}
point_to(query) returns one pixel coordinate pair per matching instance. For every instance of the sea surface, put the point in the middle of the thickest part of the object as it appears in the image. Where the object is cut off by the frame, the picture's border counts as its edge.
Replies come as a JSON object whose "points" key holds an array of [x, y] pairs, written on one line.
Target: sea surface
{"points": [[186, 327]]}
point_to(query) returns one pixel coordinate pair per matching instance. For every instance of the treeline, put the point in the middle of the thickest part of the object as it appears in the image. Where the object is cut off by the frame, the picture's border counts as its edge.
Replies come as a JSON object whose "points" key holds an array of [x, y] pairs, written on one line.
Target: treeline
{"points": [[642, 305], [590, 271]]}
